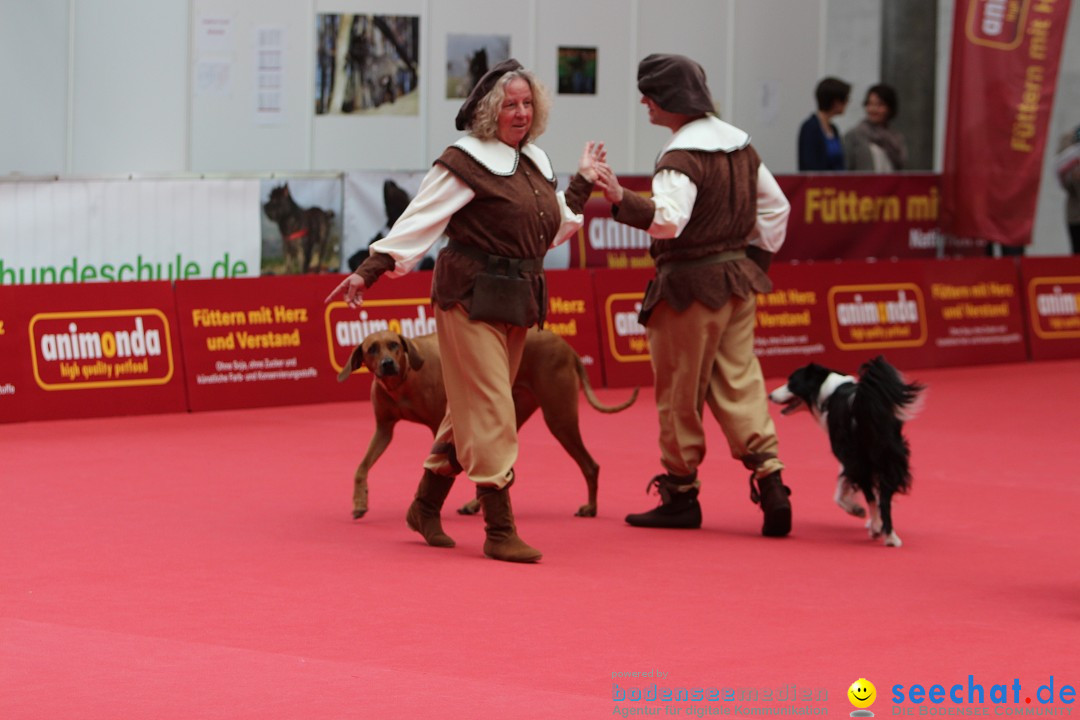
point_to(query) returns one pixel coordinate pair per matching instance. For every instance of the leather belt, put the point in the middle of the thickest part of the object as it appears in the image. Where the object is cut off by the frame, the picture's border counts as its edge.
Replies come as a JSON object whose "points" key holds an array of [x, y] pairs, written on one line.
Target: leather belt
{"points": [[725, 256], [509, 266]]}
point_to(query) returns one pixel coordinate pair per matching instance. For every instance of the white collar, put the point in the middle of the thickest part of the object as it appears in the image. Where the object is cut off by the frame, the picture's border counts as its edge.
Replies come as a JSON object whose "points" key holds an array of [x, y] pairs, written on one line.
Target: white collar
{"points": [[710, 134], [501, 159]]}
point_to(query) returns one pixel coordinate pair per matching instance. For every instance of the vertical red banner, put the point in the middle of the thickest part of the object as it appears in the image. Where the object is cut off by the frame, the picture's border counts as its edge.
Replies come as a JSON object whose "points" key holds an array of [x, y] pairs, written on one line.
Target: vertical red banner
{"points": [[1005, 57]]}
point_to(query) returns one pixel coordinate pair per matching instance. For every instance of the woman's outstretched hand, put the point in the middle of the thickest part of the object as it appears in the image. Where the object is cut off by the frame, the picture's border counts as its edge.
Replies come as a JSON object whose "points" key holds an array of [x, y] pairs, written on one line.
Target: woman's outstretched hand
{"points": [[609, 184], [353, 288], [592, 157]]}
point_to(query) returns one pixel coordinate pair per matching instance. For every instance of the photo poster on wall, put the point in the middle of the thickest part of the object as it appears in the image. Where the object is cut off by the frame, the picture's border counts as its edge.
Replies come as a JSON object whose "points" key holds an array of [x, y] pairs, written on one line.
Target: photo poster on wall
{"points": [[469, 57], [367, 64], [577, 70], [301, 225]]}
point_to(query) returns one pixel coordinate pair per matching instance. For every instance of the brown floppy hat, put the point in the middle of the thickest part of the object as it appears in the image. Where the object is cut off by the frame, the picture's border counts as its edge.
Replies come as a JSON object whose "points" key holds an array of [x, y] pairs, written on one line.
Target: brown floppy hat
{"points": [[675, 83], [480, 91]]}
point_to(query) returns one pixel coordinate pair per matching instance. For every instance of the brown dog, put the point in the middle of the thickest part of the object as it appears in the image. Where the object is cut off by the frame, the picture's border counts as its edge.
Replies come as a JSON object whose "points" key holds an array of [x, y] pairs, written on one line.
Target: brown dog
{"points": [[408, 386]]}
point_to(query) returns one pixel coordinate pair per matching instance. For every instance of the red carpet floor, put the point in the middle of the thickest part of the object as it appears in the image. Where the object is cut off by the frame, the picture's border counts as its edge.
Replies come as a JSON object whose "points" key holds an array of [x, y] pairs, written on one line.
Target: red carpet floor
{"points": [[206, 566]]}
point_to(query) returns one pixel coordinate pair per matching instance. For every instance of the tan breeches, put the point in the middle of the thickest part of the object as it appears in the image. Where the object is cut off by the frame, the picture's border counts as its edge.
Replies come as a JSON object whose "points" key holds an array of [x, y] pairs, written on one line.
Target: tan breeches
{"points": [[704, 356], [479, 363]]}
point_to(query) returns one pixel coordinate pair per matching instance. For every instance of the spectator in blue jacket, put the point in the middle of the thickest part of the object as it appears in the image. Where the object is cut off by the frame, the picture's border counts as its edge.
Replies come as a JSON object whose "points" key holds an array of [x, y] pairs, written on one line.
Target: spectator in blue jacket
{"points": [[820, 145]]}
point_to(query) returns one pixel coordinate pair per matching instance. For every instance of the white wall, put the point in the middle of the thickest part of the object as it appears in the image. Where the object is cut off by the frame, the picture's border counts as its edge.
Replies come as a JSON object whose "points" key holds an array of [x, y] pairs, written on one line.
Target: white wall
{"points": [[852, 52], [709, 35], [225, 135], [34, 50], [371, 142], [97, 87], [130, 86], [466, 17]]}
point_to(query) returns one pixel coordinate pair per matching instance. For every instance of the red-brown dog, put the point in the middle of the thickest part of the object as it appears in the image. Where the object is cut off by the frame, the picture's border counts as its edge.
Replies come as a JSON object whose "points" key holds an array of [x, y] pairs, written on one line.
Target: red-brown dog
{"points": [[409, 386]]}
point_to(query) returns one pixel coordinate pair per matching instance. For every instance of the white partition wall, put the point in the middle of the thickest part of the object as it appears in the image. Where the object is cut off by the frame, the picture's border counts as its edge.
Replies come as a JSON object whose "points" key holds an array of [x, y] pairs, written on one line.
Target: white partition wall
{"points": [[372, 142], [512, 18], [706, 39], [604, 25], [227, 131], [34, 54], [129, 77], [852, 51], [777, 67], [102, 87]]}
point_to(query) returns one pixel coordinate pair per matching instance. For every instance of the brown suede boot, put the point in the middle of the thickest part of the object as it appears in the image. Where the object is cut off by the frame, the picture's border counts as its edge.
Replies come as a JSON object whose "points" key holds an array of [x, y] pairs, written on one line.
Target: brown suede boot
{"points": [[502, 541], [772, 494], [423, 515]]}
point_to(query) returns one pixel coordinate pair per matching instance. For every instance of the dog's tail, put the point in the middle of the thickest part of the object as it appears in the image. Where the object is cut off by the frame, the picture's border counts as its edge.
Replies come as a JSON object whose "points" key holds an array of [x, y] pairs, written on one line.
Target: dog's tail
{"points": [[882, 401], [889, 388], [591, 396]]}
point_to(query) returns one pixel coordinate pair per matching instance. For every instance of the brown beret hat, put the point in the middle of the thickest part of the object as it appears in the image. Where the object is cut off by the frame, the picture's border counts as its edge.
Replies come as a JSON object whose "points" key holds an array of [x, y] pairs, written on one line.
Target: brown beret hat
{"points": [[675, 83], [480, 91]]}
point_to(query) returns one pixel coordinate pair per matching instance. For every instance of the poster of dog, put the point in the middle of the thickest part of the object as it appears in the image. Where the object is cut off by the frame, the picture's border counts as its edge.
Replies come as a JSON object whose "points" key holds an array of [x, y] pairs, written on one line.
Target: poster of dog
{"points": [[468, 57], [367, 64], [301, 225]]}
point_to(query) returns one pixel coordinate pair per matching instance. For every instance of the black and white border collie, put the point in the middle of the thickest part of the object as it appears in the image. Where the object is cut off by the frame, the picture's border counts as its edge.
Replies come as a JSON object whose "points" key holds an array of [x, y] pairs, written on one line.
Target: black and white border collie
{"points": [[864, 418]]}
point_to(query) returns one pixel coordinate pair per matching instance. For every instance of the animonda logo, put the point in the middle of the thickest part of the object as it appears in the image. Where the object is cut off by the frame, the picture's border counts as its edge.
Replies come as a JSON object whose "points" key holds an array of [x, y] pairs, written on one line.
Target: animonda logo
{"points": [[98, 349]]}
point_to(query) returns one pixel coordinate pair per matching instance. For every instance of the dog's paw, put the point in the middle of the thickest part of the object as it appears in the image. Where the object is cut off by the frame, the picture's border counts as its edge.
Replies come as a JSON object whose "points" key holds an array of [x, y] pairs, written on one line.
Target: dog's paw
{"points": [[586, 510], [893, 540], [357, 514], [470, 508], [854, 509], [873, 529]]}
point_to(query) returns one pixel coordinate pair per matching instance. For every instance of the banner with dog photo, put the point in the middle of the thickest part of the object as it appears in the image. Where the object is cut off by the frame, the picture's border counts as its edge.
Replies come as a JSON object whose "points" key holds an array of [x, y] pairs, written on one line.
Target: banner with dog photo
{"points": [[301, 225], [373, 202]]}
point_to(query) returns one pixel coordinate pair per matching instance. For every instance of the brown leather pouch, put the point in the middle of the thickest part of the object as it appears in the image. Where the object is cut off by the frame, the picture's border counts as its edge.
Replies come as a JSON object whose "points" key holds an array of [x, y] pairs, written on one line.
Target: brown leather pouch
{"points": [[501, 298]]}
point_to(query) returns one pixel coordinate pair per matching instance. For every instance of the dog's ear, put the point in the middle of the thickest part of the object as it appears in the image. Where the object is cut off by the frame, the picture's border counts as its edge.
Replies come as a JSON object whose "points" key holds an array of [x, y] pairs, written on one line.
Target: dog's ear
{"points": [[356, 359], [416, 360]]}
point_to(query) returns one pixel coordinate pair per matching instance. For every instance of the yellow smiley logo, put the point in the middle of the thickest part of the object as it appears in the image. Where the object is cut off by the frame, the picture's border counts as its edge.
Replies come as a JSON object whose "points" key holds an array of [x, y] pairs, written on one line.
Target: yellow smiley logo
{"points": [[862, 693]]}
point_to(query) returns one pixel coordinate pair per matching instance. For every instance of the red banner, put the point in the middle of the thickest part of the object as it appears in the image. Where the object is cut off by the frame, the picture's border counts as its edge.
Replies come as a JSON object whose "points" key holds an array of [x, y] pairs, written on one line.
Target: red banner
{"points": [[572, 315], [404, 306], [1005, 56], [834, 216], [917, 313], [622, 338], [1052, 300], [87, 350], [604, 242], [258, 342], [857, 217]]}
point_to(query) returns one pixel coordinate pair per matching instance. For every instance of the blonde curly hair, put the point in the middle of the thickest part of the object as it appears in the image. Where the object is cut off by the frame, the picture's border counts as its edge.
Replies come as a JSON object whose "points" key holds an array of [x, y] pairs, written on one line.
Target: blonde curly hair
{"points": [[485, 120]]}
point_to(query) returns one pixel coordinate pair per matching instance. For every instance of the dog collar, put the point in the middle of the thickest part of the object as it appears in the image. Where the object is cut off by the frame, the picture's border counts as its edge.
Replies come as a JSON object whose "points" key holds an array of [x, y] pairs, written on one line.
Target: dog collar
{"points": [[498, 158], [302, 232]]}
